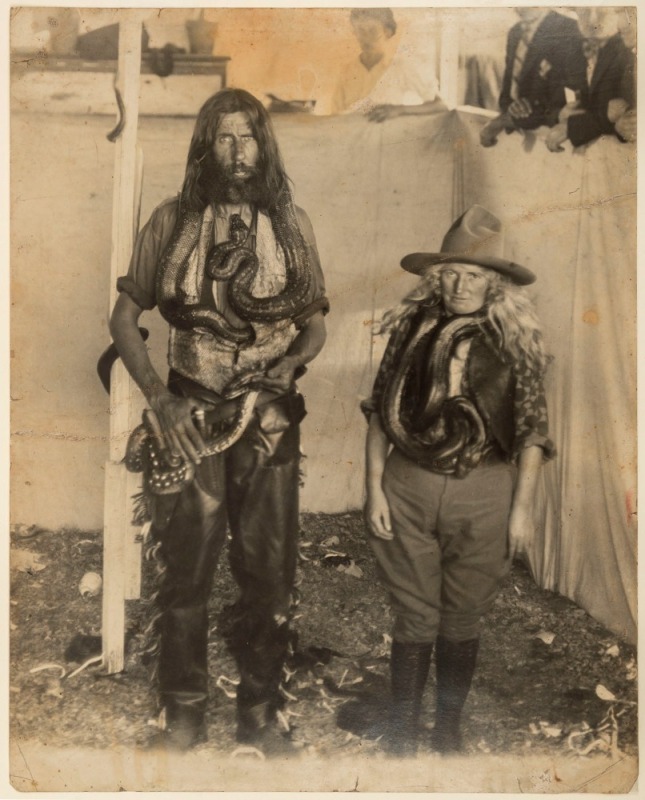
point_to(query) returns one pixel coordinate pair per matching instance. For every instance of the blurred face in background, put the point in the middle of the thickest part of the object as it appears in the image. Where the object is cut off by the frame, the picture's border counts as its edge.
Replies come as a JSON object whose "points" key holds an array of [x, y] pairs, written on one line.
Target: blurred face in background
{"points": [[529, 14], [371, 34], [597, 23], [626, 20]]}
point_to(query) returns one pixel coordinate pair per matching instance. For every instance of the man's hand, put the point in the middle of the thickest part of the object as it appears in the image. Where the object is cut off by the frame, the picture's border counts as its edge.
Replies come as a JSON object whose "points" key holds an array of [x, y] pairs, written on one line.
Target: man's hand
{"points": [[489, 133], [180, 435], [520, 530], [616, 108], [377, 514], [520, 109], [280, 377], [626, 126], [383, 112], [556, 137], [570, 110]]}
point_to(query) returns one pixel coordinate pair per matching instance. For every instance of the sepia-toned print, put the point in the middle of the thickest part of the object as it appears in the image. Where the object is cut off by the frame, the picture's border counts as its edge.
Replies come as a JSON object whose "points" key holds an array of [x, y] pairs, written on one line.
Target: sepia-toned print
{"points": [[323, 400]]}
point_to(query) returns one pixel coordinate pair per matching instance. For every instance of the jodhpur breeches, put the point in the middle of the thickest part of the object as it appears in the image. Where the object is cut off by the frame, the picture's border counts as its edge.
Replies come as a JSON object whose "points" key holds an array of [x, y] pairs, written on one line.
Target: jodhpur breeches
{"points": [[449, 551]]}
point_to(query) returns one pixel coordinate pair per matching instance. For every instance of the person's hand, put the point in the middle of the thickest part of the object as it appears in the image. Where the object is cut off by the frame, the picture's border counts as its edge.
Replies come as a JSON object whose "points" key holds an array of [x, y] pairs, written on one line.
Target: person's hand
{"points": [[280, 376], [383, 112], [556, 137], [570, 110], [180, 436], [626, 126], [521, 528], [489, 133], [616, 108], [377, 515], [520, 109]]}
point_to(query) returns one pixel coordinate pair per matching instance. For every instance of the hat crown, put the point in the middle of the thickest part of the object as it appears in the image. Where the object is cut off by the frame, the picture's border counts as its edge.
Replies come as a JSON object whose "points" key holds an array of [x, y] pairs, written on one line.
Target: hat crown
{"points": [[475, 233]]}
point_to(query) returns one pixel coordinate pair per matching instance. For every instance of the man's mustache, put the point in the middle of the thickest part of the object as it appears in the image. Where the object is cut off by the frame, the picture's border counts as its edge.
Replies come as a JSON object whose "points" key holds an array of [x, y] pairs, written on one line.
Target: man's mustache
{"points": [[236, 170]]}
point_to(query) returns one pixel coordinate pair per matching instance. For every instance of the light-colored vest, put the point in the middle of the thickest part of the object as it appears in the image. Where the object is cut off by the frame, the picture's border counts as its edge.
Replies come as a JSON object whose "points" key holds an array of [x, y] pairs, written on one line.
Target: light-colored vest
{"points": [[197, 354]]}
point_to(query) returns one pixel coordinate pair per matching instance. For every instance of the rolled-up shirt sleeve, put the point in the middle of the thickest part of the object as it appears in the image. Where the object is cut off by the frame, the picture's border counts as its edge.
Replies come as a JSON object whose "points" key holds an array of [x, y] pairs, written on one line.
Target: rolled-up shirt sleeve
{"points": [[531, 415], [317, 299], [150, 244]]}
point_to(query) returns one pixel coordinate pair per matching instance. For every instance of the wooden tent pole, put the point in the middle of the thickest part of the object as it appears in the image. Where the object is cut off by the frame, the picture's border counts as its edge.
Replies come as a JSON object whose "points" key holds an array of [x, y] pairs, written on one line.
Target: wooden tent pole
{"points": [[119, 534]]}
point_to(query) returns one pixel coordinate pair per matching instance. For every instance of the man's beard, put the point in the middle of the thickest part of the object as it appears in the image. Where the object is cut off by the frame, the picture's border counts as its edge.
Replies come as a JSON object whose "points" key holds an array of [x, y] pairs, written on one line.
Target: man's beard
{"points": [[222, 185]]}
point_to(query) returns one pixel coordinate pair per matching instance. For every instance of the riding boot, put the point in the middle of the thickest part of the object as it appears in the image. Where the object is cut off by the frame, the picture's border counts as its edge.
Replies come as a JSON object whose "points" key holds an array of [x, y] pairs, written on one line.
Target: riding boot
{"points": [[455, 668], [183, 676], [409, 667], [259, 646]]}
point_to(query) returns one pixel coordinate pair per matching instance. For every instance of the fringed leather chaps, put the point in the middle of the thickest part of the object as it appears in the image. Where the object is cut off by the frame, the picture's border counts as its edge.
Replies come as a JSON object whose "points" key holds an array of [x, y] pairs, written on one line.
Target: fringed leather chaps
{"points": [[252, 487]]}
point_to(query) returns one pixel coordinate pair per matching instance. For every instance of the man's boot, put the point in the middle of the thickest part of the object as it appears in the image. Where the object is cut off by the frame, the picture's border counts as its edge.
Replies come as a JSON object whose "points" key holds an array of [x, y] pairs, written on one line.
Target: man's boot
{"points": [[455, 668], [409, 667]]}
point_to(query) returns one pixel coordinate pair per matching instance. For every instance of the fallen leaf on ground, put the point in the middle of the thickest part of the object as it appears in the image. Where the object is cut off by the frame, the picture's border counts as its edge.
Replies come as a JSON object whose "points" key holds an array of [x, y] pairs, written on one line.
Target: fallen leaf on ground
{"points": [[331, 541], [26, 561], [604, 694], [552, 731], [351, 569], [546, 636]]}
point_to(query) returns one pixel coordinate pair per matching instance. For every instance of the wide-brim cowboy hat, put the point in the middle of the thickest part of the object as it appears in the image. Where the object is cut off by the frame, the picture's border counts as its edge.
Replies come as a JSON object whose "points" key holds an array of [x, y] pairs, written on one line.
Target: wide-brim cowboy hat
{"points": [[474, 238]]}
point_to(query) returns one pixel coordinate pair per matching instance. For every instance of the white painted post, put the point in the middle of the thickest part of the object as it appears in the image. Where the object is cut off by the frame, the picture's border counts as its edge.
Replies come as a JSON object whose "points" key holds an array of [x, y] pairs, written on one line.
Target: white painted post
{"points": [[449, 59], [119, 546]]}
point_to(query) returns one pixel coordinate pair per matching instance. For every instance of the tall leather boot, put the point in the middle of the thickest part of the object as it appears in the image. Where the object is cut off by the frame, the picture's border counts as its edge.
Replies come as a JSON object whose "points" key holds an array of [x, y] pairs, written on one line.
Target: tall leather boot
{"points": [[259, 646], [409, 667], [182, 673], [455, 668]]}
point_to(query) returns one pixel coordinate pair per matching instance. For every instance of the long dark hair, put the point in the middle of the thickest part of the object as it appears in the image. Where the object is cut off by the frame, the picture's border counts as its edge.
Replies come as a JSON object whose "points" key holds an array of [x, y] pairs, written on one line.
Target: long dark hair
{"points": [[195, 193]]}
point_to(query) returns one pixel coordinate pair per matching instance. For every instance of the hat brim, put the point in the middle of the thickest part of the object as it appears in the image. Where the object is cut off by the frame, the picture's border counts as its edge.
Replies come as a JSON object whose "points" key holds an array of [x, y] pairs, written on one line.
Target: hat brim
{"points": [[418, 262]]}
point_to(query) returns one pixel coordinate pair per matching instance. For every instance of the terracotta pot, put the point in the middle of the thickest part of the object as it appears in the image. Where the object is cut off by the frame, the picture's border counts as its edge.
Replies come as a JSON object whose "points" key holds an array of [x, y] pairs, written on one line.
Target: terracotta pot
{"points": [[201, 36]]}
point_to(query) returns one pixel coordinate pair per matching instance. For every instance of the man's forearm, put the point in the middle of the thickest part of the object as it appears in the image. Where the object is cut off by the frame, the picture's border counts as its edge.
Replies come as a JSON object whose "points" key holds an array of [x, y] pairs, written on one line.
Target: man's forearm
{"points": [[132, 349], [309, 341], [429, 107]]}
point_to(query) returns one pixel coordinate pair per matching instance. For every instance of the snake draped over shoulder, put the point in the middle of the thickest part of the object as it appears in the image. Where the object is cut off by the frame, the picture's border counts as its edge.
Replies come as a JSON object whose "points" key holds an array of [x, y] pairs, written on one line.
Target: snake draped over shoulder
{"points": [[233, 261], [447, 434]]}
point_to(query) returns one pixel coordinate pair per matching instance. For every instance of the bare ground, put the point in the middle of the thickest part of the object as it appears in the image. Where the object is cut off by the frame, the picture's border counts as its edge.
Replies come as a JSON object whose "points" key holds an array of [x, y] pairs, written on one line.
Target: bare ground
{"points": [[550, 680]]}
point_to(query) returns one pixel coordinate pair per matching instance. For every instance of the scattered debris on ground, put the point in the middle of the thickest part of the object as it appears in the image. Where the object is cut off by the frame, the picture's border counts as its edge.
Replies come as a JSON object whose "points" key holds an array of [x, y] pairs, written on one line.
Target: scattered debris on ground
{"points": [[549, 679]]}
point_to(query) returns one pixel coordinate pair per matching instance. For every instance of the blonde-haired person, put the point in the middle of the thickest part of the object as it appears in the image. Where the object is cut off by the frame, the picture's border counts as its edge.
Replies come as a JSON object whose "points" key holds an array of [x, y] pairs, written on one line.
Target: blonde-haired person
{"points": [[457, 433]]}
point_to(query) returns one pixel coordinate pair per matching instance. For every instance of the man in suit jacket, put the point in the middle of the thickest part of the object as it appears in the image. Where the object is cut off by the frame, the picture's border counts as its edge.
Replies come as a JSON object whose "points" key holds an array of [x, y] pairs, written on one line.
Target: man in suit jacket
{"points": [[543, 56], [610, 90]]}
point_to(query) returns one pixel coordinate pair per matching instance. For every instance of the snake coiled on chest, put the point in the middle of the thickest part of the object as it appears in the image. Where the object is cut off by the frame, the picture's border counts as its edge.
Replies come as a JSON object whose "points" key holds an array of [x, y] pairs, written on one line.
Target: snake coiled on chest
{"points": [[236, 262], [447, 434]]}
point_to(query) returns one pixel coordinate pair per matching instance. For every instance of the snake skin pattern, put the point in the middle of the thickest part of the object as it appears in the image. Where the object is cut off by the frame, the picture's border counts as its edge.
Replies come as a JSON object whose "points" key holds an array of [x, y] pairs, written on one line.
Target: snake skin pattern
{"points": [[165, 474], [452, 436]]}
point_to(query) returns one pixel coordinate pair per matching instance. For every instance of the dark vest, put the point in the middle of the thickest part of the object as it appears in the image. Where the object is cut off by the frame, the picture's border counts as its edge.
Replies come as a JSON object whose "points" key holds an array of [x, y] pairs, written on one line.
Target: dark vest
{"points": [[488, 383]]}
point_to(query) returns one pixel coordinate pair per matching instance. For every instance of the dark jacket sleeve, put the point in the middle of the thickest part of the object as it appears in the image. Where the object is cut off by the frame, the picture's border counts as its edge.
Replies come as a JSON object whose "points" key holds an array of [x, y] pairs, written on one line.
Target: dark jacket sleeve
{"points": [[558, 62], [505, 98], [613, 67]]}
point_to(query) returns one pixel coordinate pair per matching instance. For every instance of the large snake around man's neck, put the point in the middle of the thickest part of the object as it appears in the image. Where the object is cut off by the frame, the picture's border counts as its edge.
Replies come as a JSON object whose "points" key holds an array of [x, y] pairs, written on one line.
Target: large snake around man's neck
{"points": [[235, 262], [451, 437]]}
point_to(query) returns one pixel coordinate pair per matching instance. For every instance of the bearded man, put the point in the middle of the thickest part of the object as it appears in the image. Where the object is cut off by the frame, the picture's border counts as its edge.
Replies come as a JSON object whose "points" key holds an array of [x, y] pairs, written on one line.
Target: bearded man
{"points": [[233, 267]]}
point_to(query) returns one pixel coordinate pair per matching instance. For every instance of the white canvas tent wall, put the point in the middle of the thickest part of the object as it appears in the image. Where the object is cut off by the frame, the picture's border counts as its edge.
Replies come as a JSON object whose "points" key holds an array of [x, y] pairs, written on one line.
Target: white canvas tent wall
{"points": [[373, 193]]}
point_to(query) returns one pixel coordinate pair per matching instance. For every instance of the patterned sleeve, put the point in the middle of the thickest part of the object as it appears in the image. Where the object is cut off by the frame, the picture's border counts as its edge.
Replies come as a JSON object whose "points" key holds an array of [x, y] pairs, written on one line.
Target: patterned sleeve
{"points": [[531, 417], [390, 357]]}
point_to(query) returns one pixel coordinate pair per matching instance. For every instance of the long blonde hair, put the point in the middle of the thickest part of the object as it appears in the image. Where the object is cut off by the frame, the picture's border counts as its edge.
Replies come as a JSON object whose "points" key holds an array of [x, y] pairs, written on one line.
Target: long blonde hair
{"points": [[509, 310]]}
